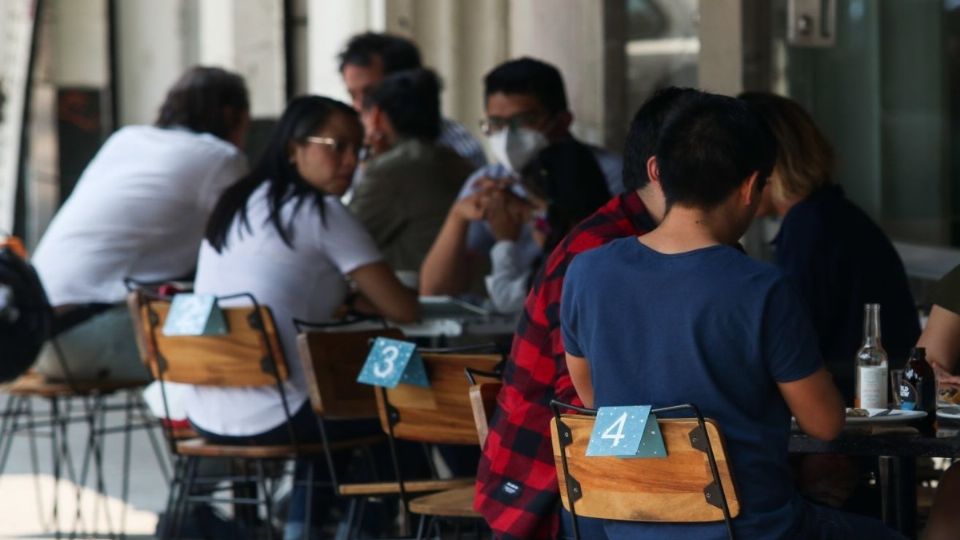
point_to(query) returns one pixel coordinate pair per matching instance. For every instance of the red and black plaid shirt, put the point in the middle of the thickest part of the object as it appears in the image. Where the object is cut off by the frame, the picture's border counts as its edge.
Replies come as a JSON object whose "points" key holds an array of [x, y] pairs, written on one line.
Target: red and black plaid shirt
{"points": [[517, 482]]}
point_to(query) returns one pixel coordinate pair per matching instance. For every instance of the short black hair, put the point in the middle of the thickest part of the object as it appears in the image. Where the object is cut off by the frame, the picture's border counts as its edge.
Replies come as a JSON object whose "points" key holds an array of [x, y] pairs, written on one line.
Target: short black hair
{"points": [[528, 76], [645, 129], [397, 53], [205, 100], [411, 100], [707, 150]]}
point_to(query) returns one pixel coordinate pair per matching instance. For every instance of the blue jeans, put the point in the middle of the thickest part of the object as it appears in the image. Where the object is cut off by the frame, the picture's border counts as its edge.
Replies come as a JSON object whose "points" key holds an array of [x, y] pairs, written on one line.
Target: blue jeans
{"points": [[306, 430], [590, 529], [825, 523]]}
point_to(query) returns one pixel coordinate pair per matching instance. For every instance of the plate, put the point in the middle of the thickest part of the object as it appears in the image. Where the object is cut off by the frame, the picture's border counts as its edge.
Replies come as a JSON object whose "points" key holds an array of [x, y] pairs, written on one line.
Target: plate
{"points": [[950, 412], [893, 417], [448, 307]]}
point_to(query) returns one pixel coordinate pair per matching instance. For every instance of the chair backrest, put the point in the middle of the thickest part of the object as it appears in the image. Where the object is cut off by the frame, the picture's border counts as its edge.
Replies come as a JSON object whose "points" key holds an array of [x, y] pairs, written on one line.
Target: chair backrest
{"points": [[439, 414], [331, 362], [677, 488], [140, 330], [483, 400], [245, 356]]}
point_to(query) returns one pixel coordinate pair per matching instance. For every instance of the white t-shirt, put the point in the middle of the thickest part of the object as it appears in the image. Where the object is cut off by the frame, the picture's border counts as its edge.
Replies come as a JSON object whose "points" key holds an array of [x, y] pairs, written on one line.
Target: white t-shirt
{"points": [[305, 282], [139, 210]]}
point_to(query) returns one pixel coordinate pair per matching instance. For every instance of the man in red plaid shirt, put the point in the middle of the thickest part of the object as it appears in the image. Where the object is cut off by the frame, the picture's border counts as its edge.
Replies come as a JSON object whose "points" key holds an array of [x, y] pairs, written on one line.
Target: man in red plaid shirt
{"points": [[517, 489]]}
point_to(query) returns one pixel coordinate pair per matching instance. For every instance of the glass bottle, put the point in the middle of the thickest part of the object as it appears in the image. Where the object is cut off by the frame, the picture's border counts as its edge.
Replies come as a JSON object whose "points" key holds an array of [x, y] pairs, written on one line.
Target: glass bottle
{"points": [[918, 389], [871, 363]]}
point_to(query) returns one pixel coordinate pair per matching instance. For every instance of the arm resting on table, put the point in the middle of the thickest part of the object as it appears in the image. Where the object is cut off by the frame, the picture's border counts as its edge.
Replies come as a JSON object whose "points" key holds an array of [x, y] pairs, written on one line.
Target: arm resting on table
{"points": [[381, 287], [816, 403]]}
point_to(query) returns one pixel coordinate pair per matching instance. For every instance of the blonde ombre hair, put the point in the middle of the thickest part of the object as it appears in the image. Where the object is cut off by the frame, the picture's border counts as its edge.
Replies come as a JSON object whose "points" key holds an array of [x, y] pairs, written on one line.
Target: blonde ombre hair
{"points": [[805, 160]]}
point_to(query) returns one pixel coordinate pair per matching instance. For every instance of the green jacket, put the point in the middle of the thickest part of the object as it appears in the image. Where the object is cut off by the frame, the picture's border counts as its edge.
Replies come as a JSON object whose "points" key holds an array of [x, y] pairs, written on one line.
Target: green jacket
{"points": [[404, 196]]}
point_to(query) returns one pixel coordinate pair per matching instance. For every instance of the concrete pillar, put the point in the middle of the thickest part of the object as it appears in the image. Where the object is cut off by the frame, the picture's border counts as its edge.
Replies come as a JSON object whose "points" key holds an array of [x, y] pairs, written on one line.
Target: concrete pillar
{"points": [[330, 23], [151, 55], [462, 41], [246, 36], [721, 46], [568, 34], [80, 43]]}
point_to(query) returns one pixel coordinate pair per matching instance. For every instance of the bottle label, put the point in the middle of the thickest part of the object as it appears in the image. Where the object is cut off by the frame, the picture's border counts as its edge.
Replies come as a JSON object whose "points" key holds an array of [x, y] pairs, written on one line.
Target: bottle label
{"points": [[908, 396], [873, 387]]}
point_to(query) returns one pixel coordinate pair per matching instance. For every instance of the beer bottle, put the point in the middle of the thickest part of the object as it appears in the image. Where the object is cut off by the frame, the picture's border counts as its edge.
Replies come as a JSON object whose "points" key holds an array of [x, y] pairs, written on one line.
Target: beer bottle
{"points": [[918, 387]]}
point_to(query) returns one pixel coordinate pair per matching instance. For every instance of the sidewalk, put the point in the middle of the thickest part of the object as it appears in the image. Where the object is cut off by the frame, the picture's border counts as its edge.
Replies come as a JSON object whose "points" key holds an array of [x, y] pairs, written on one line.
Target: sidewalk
{"points": [[22, 494]]}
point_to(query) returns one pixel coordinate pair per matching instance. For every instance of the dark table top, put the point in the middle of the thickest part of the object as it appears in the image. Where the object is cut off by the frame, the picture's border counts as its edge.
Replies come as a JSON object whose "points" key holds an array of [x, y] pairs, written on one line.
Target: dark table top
{"points": [[897, 442]]}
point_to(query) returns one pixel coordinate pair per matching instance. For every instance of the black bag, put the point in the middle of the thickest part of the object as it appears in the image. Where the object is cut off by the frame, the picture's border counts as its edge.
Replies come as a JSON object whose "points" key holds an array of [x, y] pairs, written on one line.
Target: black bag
{"points": [[25, 315]]}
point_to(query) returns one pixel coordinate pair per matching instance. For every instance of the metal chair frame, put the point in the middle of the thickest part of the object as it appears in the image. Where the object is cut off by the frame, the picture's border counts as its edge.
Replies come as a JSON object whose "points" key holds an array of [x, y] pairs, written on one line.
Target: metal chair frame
{"points": [[58, 419]]}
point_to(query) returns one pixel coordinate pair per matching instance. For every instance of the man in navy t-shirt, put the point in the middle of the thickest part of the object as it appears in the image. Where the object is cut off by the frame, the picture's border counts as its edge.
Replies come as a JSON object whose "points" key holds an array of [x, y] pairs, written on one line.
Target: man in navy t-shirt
{"points": [[679, 316]]}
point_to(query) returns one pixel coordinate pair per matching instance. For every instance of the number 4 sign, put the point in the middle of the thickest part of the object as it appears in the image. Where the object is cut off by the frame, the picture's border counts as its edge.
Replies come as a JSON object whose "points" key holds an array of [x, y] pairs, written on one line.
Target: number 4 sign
{"points": [[626, 432], [391, 362]]}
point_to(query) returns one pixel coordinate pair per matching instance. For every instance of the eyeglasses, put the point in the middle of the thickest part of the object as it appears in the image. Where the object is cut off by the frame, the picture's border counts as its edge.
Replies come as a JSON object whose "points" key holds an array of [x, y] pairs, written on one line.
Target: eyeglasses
{"points": [[338, 146], [493, 124]]}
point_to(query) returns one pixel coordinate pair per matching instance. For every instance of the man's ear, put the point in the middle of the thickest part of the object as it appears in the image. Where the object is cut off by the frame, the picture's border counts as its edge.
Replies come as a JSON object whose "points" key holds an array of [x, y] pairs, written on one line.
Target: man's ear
{"points": [[748, 190], [653, 169], [564, 121]]}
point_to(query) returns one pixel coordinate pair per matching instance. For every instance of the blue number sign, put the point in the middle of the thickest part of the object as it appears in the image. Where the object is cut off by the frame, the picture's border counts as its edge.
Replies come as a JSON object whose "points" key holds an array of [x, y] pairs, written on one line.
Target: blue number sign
{"points": [[391, 362], [626, 432], [194, 315]]}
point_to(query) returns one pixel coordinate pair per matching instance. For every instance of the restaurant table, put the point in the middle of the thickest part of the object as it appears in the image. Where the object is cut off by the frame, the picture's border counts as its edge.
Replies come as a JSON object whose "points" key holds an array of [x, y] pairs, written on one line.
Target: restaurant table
{"points": [[897, 447], [445, 317]]}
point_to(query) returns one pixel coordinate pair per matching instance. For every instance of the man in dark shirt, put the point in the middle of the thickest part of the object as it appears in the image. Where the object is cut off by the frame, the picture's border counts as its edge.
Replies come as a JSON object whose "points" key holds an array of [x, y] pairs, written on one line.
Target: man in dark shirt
{"points": [[838, 257], [517, 482]]}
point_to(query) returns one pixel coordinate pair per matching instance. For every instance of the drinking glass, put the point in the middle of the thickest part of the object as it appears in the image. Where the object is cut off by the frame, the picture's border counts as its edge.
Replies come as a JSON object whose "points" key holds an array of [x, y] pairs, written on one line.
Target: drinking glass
{"points": [[896, 376]]}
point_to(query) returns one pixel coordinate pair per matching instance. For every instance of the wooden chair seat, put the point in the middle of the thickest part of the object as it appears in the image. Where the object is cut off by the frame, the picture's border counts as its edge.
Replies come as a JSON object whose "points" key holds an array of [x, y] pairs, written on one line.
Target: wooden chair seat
{"points": [[201, 448], [34, 384], [369, 489], [453, 503]]}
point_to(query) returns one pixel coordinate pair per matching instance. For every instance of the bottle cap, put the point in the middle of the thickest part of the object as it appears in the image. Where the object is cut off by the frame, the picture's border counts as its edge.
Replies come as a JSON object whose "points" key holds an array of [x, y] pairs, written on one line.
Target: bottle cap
{"points": [[919, 352]]}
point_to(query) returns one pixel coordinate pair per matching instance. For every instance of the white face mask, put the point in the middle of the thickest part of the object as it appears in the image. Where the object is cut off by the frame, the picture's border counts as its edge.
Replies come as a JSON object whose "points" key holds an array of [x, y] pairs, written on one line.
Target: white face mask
{"points": [[515, 148]]}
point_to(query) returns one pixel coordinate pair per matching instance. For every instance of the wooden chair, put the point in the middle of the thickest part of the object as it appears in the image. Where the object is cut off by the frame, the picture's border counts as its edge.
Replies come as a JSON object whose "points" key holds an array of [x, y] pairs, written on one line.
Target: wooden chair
{"points": [[692, 484], [332, 358], [483, 399], [439, 414], [249, 355]]}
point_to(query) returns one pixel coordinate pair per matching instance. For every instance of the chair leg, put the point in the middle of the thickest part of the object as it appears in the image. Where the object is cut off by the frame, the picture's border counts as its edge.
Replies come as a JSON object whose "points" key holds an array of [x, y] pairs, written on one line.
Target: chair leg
{"points": [[149, 423], [421, 527], [183, 504], [308, 513], [173, 498], [266, 496], [125, 486]]}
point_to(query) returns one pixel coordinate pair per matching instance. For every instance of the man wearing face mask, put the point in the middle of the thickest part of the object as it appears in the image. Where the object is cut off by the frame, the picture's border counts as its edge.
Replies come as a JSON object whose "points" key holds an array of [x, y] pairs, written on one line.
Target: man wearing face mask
{"points": [[526, 111]]}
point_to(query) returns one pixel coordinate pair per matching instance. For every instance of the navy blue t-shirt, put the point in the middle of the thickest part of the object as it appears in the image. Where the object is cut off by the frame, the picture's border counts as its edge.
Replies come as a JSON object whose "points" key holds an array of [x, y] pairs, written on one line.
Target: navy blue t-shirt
{"points": [[711, 327]]}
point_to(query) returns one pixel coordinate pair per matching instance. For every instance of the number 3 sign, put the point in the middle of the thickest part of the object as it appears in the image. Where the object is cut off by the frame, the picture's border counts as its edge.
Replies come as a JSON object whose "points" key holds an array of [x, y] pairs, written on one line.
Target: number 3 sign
{"points": [[391, 362], [626, 432]]}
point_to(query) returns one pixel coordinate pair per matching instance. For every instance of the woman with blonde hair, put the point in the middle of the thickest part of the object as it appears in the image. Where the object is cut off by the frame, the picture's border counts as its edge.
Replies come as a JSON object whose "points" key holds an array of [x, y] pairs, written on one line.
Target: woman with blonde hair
{"points": [[839, 258]]}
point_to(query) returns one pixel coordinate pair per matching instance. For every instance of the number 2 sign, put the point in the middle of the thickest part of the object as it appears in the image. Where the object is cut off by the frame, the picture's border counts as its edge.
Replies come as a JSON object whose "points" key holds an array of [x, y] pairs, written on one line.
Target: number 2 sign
{"points": [[391, 362], [626, 432]]}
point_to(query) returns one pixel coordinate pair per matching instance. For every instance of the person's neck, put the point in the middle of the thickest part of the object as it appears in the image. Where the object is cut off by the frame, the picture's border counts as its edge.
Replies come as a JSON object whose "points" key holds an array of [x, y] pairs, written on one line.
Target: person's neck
{"points": [[784, 206], [652, 200], [685, 229]]}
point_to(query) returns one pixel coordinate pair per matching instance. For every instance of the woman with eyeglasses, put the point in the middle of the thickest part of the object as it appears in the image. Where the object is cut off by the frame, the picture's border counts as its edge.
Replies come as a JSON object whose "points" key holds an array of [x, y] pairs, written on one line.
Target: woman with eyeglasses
{"points": [[282, 234], [409, 180]]}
